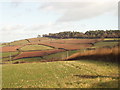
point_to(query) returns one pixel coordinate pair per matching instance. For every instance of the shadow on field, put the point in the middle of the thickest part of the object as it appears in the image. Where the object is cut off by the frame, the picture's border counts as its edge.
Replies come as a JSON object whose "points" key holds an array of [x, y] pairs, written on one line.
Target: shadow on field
{"points": [[100, 84], [110, 84], [106, 58], [96, 76]]}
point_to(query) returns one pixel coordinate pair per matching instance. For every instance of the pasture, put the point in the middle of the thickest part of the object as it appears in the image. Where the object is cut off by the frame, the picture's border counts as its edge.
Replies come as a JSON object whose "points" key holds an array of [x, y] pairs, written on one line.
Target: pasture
{"points": [[61, 74], [103, 43], [7, 54]]}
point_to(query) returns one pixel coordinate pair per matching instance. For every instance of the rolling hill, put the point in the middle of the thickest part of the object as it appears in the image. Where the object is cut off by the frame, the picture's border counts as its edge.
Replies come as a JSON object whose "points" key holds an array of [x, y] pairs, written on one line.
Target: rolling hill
{"points": [[60, 63]]}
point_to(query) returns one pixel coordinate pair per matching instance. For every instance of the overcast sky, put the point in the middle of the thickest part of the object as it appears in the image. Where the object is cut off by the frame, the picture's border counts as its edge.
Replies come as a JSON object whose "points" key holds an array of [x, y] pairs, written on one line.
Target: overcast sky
{"points": [[20, 19]]}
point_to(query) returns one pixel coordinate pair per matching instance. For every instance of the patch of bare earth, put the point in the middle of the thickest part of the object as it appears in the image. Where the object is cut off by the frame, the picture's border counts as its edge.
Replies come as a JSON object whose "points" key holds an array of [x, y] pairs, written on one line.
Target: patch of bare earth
{"points": [[37, 53]]}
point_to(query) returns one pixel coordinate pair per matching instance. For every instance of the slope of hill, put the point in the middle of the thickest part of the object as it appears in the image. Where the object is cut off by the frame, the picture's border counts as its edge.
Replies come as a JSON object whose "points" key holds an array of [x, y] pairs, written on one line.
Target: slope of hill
{"points": [[106, 54], [32, 67], [43, 46], [61, 74]]}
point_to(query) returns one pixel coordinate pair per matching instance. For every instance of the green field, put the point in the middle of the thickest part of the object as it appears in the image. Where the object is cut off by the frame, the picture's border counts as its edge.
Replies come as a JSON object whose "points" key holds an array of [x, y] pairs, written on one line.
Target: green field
{"points": [[61, 74], [5, 59], [1, 45], [60, 55], [7, 54], [27, 60], [102, 44], [35, 47], [111, 38]]}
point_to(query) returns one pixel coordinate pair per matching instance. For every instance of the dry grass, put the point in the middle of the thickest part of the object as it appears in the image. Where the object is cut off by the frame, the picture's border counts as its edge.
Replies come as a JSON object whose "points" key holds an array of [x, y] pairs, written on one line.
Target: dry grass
{"points": [[106, 54]]}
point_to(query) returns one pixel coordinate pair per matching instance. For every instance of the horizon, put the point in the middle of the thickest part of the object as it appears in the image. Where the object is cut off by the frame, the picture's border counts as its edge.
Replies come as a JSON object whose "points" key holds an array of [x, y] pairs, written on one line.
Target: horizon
{"points": [[22, 20], [41, 36]]}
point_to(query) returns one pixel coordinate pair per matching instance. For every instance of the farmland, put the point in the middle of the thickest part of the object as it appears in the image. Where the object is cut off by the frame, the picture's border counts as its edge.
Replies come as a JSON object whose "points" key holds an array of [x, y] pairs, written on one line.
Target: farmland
{"points": [[44, 47], [10, 48], [61, 74], [60, 63], [102, 44], [20, 42], [105, 54], [7, 54], [50, 49], [68, 46], [35, 47], [37, 53]]}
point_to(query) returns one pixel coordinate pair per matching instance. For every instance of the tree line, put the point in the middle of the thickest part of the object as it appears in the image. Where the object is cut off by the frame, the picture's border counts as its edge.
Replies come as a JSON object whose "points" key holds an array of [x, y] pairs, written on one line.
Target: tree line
{"points": [[87, 34]]}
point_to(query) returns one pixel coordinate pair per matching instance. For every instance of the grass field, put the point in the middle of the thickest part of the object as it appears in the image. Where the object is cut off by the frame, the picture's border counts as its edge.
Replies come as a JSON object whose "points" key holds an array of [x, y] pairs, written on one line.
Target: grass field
{"points": [[111, 38], [35, 47], [26, 60], [9, 60], [5, 59], [60, 55], [102, 44], [61, 74], [1, 45], [7, 54]]}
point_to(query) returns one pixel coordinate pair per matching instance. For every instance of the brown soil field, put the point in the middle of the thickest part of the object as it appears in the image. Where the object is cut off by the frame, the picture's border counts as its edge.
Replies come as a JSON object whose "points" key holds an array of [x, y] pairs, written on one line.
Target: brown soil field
{"points": [[68, 46], [37, 53], [75, 41], [10, 48], [32, 40], [63, 41]]}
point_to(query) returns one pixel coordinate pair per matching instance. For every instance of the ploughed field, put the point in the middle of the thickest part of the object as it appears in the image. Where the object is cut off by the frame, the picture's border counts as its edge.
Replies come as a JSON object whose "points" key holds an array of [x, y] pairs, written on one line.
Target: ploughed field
{"points": [[42, 47]]}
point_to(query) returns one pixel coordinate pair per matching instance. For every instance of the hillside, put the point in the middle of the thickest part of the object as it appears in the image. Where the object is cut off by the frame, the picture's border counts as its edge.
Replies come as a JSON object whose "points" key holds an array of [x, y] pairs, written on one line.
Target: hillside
{"points": [[105, 54], [42, 47], [61, 74], [60, 63]]}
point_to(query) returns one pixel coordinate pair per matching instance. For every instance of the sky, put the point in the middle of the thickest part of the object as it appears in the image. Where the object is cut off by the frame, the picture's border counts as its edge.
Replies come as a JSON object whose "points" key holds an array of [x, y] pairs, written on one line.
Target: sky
{"points": [[21, 19]]}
